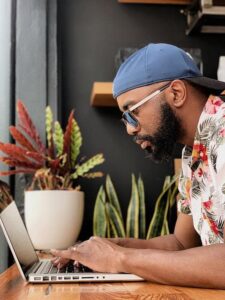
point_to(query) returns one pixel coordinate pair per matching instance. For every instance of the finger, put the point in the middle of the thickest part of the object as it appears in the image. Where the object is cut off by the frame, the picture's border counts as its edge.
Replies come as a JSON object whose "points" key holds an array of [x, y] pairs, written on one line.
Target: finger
{"points": [[64, 261], [56, 258], [61, 261], [68, 254], [55, 261], [58, 266], [76, 263]]}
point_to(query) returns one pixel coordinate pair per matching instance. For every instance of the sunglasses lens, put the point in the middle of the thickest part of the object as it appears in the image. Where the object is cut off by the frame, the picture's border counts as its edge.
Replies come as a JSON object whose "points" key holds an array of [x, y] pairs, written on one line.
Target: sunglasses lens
{"points": [[128, 118]]}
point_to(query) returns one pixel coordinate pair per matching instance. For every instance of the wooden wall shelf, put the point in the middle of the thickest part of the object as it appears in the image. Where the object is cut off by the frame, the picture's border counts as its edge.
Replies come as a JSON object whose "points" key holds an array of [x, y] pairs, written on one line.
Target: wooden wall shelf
{"points": [[101, 94], [177, 2]]}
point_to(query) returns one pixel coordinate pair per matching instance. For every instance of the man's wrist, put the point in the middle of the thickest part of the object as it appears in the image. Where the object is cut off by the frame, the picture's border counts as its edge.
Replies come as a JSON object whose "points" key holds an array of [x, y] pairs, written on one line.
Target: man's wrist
{"points": [[122, 257], [118, 241]]}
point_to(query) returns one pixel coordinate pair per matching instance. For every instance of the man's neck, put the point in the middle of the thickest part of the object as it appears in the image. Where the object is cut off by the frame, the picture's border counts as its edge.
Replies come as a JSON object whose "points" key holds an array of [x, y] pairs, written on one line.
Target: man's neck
{"points": [[191, 116]]}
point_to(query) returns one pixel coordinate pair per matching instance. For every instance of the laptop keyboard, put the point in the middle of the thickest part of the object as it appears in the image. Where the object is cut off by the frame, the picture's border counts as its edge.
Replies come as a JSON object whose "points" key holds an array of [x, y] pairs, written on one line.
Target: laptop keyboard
{"points": [[46, 267]]}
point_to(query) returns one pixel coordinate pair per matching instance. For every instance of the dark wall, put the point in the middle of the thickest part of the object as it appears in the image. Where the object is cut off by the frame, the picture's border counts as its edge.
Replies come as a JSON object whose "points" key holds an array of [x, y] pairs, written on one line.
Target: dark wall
{"points": [[92, 31]]}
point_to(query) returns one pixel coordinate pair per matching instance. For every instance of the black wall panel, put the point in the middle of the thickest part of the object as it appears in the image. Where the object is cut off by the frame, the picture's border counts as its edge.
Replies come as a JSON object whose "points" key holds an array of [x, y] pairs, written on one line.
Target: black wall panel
{"points": [[92, 31]]}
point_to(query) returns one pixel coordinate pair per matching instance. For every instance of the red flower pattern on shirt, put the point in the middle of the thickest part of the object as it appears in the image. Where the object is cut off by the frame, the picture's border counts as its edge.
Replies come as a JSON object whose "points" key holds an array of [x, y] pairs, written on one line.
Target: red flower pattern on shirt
{"points": [[213, 104], [202, 181], [199, 152], [207, 204]]}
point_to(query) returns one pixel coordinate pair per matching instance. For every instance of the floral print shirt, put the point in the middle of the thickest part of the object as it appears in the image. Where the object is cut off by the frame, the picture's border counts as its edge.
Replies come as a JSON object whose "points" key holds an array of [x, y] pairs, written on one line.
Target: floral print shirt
{"points": [[202, 180]]}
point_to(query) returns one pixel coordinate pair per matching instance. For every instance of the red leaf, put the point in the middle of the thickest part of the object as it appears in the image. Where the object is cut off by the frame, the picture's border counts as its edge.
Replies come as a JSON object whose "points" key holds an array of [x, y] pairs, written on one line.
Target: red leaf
{"points": [[23, 171], [51, 151], [67, 136], [16, 163], [54, 164], [14, 152], [21, 139], [36, 156], [28, 126]]}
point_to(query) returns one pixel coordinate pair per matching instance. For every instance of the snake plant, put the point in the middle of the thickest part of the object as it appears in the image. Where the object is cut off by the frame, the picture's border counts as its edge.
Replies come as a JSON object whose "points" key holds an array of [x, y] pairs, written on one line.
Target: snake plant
{"points": [[108, 220]]}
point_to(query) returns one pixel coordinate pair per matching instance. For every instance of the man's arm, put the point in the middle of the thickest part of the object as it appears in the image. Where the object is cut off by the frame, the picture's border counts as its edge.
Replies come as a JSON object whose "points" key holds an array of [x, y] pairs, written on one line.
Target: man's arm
{"points": [[184, 237], [197, 267]]}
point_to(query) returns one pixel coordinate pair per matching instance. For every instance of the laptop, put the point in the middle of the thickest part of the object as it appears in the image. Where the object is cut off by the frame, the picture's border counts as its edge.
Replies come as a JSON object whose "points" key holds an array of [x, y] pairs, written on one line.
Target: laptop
{"points": [[37, 270]]}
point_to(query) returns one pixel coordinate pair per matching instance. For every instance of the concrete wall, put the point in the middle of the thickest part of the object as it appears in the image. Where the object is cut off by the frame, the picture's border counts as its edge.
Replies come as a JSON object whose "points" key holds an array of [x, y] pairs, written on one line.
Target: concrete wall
{"points": [[5, 96], [29, 71]]}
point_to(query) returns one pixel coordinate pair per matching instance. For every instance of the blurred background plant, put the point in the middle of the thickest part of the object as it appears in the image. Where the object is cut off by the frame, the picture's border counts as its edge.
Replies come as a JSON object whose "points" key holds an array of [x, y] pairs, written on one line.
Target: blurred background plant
{"points": [[108, 220], [55, 166], [5, 195]]}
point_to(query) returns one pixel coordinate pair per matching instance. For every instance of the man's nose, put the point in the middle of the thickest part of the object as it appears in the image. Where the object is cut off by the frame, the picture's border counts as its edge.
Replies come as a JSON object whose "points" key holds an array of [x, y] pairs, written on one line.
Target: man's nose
{"points": [[131, 130]]}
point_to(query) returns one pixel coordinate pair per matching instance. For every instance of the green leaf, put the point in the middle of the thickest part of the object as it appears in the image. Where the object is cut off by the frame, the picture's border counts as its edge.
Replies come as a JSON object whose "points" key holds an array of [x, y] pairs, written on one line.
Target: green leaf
{"points": [[116, 221], [165, 228], [166, 183], [142, 215], [88, 165], [112, 196], [111, 229], [155, 226], [48, 125], [133, 211], [174, 193], [108, 229], [58, 138], [156, 223], [172, 199], [99, 218], [76, 142]]}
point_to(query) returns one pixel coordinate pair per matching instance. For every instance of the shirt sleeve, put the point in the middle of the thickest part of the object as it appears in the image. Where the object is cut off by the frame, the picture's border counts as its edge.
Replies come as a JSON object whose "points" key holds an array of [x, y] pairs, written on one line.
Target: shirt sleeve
{"points": [[217, 161], [183, 200], [184, 186]]}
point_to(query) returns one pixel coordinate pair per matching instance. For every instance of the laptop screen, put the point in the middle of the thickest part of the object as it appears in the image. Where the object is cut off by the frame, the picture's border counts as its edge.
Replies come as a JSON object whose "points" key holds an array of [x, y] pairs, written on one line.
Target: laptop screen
{"points": [[17, 236]]}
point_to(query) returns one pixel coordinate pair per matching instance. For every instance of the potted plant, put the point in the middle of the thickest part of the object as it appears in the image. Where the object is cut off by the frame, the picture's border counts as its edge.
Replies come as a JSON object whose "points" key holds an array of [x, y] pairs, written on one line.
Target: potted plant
{"points": [[54, 203], [108, 219]]}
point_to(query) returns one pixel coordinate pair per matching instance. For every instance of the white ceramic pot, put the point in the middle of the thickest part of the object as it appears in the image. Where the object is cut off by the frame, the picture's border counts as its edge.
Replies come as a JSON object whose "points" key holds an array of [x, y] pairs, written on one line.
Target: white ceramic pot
{"points": [[53, 218]]}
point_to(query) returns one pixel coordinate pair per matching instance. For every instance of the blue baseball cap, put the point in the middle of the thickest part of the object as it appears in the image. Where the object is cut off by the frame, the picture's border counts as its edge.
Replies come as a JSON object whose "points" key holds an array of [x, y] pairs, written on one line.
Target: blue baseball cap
{"points": [[160, 62]]}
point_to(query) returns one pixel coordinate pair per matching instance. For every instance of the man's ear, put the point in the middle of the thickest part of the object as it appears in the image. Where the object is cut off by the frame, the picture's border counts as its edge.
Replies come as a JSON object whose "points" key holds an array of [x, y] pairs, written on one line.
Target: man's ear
{"points": [[177, 93]]}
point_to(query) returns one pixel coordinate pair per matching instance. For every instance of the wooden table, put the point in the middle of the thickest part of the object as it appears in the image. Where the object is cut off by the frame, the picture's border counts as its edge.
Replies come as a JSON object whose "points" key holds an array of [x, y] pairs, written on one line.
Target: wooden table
{"points": [[13, 287]]}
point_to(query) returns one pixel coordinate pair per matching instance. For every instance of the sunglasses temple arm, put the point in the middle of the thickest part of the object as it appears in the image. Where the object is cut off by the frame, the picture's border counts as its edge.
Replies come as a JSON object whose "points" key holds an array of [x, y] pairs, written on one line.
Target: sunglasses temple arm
{"points": [[150, 96], [145, 100]]}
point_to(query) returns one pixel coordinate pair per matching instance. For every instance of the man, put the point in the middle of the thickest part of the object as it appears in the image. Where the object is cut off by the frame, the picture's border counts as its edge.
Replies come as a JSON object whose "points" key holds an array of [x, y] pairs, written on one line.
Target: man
{"points": [[164, 100]]}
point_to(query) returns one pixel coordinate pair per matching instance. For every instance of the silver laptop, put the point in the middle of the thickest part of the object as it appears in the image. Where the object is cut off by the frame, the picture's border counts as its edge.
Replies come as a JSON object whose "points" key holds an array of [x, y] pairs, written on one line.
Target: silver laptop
{"points": [[33, 269]]}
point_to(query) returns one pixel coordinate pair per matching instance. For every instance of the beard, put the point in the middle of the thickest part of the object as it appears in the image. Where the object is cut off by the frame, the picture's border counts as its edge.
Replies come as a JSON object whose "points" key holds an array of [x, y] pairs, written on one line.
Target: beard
{"points": [[166, 136]]}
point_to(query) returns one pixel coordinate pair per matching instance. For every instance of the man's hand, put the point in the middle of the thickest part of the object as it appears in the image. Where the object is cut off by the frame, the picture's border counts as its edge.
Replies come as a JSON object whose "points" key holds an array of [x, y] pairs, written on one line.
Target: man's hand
{"points": [[96, 253], [60, 262]]}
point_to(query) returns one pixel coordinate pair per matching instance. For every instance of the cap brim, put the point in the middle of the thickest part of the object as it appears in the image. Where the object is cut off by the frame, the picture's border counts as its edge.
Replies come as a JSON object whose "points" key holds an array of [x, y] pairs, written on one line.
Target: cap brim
{"points": [[209, 83]]}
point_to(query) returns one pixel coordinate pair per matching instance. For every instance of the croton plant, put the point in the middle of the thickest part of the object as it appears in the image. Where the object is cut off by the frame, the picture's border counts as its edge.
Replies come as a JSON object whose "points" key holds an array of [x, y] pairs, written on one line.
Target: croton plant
{"points": [[5, 195], [55, 165]]}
